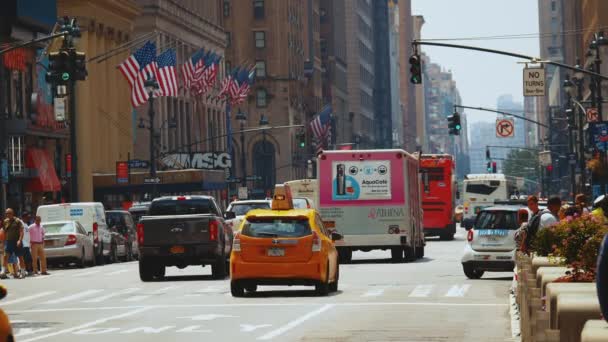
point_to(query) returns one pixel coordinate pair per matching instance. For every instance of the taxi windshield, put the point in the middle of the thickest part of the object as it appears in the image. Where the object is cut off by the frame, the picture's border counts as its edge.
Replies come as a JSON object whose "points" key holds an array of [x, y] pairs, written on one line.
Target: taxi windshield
{"points": [[497, 220], [241, 209], [276, 227]]}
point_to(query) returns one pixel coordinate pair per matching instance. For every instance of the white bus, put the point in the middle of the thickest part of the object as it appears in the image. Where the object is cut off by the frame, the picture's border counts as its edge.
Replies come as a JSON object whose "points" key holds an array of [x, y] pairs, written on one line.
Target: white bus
{"points": [[481, 190]]}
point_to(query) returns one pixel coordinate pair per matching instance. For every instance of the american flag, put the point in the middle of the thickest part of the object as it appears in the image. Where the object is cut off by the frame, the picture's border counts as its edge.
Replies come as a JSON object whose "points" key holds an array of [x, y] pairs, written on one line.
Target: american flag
{"points": [[240, 89], [193, 64], [204, 78], [225, 87], [167, 79], [321, 128], [140, 66]]}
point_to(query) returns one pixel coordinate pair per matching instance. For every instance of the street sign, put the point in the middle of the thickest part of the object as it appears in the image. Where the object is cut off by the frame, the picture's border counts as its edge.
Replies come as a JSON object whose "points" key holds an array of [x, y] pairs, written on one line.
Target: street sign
{"points": [[152, 180], [534, 82], [572, 159], [544, 158], [243, 192], [253, 178], [139, 164], [593, 115], [122, 172], [505, 128], [59, 109], [599, 135], [233, 180]]}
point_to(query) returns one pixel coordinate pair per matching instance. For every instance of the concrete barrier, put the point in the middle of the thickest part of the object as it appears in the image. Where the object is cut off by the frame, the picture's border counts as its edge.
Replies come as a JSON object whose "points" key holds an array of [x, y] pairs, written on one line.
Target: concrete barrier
{"points": [[539, 261], [553, 290], [573, 311], [595, 331]]}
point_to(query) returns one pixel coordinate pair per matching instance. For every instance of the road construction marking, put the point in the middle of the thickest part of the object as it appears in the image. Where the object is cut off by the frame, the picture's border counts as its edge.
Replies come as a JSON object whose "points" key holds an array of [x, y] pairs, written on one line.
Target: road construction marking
{"points": [[458, 290], [111, 295], [73, 297], [295, 323], [374, 292], [117, 272], [421, 291], [90, 324], [24, 299]]}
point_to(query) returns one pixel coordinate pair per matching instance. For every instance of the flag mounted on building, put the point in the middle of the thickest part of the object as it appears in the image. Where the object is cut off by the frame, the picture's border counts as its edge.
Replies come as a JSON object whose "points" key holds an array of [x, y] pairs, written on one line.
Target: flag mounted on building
{"points": [[189, 68], [204, 76], [240, 90], [139, 67], [166, 75], [320, 127]]}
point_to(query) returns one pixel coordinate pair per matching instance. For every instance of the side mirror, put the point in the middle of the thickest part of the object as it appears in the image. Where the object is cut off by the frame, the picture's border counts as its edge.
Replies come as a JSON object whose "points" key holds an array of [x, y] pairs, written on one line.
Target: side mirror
{"points": [[336, 236], [229, 215]]}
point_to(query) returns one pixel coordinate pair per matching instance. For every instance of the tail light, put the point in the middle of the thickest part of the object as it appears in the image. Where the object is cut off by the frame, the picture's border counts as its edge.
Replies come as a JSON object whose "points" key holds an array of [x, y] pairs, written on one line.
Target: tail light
{"points": [[71, 240], [95, 232], [236, 243], [213, 229], [470, 235], [316, 242], [140, 234]]}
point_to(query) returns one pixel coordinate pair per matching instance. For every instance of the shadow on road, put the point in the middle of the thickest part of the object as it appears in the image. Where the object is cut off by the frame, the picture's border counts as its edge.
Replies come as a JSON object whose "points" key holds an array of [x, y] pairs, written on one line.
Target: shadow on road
{"points": [[496, 278], [385, 261], [205, 277], [287, 294]]}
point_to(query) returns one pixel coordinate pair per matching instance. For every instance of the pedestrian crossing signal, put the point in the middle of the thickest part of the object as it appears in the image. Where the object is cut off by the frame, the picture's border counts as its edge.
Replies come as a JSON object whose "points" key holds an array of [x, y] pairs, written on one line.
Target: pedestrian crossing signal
{"points": [[415, 69]]}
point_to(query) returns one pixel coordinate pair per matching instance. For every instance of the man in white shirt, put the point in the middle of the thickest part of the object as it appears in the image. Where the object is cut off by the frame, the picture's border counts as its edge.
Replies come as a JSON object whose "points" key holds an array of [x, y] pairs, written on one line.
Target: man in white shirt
{"points": [[549, 217]]}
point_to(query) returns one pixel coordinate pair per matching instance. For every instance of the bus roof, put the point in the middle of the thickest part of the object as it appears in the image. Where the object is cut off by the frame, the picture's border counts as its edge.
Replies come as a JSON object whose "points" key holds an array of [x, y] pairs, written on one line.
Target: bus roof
{"points": [[485, 176], [429, 156]]}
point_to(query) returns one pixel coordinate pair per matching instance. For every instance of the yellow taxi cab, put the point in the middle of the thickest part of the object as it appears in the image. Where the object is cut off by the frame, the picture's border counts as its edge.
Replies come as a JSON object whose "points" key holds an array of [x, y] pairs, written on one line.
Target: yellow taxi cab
{"points": [[283, 246]]}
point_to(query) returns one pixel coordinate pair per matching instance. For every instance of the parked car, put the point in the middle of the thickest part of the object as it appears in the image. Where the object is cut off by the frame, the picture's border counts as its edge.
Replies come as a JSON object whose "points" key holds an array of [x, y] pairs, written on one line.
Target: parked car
{"points": [[182, 231], [124, 234], [68, 241], [92, 217], [138, 210], [490, 242], [241, 208]]}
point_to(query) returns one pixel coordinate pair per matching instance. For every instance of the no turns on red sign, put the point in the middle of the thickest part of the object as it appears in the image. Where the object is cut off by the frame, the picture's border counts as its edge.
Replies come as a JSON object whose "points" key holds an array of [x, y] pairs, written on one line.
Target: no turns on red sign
{"points": [[505, 128]]}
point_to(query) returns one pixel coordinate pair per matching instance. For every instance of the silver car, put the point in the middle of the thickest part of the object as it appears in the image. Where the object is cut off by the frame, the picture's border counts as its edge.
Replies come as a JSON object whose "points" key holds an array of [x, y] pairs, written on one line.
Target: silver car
{"points": [[67, 241]]}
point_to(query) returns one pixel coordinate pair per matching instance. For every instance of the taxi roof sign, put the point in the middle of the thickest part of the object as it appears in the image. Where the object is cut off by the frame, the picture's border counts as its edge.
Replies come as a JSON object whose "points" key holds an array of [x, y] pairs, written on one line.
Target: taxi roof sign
{"points": [[282, 199]]}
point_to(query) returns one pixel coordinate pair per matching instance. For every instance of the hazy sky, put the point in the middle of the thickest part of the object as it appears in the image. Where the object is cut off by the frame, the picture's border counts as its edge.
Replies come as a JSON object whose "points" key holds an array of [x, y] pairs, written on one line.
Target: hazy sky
{"points": [[481, 77]]}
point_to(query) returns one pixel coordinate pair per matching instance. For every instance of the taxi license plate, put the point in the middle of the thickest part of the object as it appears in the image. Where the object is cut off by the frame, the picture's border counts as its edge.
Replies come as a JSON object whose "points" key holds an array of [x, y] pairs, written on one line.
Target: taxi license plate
{"points": [[276, 252], [177, 250]]}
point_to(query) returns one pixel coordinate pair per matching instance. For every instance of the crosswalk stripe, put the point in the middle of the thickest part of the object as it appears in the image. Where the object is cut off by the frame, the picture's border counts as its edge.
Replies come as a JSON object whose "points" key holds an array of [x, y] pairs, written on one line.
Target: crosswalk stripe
{"points": [[374, 292], [24, 299], [82, 274], [458, 290], [108, 296], [117, 272], [421, 291], [73, 297]]}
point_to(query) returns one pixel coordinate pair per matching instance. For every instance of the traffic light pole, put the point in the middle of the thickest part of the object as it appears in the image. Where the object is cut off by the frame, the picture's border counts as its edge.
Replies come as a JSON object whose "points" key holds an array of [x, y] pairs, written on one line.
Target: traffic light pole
{"points": [[503, 113], [73, 142]]}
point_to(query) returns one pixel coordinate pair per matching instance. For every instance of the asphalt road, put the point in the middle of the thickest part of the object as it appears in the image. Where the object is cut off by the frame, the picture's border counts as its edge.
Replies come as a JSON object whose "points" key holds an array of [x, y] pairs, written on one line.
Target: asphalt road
{"points": [[429, 300]]}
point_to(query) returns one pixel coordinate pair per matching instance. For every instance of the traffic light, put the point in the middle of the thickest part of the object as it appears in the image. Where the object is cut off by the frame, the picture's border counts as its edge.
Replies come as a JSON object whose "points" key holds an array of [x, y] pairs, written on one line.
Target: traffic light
{"points": [[493, 167], [570, 117], [488, 153], [59, 64], [454, 124], [415, 69], [489, 167], [549, 170], [301, 139], [79, 67]]}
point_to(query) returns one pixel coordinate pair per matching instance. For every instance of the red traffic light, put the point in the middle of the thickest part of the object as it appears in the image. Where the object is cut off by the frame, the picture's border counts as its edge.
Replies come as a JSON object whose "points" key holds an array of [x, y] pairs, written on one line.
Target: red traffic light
{"points": [[549, 168]]}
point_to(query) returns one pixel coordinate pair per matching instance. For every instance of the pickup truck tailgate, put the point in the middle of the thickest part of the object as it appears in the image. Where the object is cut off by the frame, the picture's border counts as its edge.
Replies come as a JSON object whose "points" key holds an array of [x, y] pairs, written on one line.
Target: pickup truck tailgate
{"points": [[182, 229]]}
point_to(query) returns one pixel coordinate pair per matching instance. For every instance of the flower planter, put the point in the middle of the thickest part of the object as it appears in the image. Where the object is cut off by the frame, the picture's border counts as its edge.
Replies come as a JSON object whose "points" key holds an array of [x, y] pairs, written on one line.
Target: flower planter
{"points": [[595, 331], [573, 311]]}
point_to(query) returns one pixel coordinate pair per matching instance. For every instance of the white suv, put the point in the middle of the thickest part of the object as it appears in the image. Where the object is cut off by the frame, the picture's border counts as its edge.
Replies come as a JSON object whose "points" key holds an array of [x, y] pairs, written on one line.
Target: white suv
{"points": [[241, 208], [491, 241]]}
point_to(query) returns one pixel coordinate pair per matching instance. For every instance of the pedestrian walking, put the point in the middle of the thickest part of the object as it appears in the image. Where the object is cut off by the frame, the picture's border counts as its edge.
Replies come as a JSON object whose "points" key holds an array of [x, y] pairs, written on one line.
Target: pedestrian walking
{"points": [[581, 202], [13, 229], [25, 260], [37, 233]]}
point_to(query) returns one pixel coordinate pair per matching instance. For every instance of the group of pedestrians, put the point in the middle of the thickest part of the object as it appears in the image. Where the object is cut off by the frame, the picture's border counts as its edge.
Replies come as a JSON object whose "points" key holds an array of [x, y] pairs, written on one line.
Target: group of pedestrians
{"points": [[22, 242]]}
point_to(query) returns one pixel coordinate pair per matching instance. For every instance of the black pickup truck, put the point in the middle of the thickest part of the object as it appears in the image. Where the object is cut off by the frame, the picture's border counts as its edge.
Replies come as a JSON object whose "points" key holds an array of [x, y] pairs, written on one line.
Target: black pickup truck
{"points": [[182, 231]]}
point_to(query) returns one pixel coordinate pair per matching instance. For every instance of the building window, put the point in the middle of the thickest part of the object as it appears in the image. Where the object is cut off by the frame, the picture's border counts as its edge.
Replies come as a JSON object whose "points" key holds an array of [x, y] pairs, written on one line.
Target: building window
{"points": [[226, 8], [260, 69], [228, 39], [323, 14], [16, 154], [261, 97], [258, 9], [260, 39], [553, 6]]}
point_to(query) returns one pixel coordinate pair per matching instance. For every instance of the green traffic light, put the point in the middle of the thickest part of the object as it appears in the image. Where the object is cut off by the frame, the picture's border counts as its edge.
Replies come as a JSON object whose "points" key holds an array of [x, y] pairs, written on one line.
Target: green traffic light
{"points": [[458, 127], [302, 144], [65, 76]]}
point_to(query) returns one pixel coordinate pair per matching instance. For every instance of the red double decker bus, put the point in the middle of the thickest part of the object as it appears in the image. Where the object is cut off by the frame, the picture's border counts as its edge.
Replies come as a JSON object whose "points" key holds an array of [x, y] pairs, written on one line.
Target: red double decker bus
{"points": [[438, 190]]}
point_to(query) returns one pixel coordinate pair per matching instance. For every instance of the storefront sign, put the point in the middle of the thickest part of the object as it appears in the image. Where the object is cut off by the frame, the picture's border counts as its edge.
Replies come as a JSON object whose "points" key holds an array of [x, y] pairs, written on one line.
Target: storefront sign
{"points": [[139, 164], [599, 135], [198, 160], [122, 172], [361, 180]]}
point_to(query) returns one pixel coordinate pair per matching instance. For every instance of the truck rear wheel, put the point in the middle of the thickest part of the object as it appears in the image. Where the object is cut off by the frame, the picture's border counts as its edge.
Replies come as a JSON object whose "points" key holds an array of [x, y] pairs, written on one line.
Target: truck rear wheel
{"points": [[236, 289], [146, 270], [409, 254], [420, 252], [397, 254]]}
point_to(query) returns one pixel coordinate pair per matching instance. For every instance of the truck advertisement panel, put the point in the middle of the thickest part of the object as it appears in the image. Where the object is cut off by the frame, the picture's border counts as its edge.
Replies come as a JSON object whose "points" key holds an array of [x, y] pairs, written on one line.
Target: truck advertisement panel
{"points": [[361, 180]]}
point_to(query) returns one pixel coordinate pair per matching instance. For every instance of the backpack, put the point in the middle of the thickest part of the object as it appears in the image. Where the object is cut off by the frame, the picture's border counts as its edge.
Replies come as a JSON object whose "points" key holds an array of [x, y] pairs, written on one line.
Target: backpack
{"points": [[532, 227]]}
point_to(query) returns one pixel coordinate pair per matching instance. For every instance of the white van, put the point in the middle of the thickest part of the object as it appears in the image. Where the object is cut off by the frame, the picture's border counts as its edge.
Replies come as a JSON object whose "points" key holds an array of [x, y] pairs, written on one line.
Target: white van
{"points": [[92, 217]]}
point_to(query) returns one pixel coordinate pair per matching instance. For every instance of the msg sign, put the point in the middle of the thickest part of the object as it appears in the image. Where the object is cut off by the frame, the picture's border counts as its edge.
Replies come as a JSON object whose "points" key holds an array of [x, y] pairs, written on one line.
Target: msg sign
{"points": [[534, 82]]}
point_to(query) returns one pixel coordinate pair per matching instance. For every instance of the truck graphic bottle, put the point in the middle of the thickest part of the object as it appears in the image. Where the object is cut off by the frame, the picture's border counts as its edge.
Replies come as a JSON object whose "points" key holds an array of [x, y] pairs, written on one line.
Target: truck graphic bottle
{"points": [[341, 179]]}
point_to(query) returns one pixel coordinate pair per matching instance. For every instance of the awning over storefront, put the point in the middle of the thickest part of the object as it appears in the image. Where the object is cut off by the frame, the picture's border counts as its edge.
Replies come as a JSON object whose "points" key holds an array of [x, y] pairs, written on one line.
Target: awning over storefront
{"points": [[46, 179]]}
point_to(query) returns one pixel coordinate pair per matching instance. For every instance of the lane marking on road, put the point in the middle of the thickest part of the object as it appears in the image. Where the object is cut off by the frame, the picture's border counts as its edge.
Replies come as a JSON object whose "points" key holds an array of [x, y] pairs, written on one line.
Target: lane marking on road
{"points": [[117, 272], [421, 291], [136, 298], [83, 274], [111, 295], [241, 305], [25, 299], [295, 323], [73, 297], [458, 290], [166, 289], [90, 324], [374, 292]]}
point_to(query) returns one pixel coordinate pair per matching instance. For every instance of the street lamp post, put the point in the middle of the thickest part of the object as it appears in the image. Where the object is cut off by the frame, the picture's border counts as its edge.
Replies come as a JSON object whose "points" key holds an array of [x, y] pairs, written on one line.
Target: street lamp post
{"points": [[264, 123], [568, 88], [242, 119], [151, 84]]}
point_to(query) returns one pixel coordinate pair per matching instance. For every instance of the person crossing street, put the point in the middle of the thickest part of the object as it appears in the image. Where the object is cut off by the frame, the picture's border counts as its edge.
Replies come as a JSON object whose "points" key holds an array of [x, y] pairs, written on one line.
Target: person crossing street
{"points": [[36, 231], [13, 230]]}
